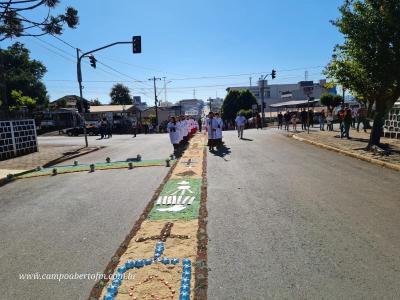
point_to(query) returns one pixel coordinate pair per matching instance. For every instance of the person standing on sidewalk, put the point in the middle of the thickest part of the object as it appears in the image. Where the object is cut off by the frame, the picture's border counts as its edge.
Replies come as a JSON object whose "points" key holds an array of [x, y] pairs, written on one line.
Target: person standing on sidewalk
{"points": [[286, 119], [303, 117], [347, 121], [340, 115], [354, 111], [294, 121], [311, 121], [329, 121], [240, 121], [322, 118], [280, 120], [362, 118], [258, 121], [134, 128]]}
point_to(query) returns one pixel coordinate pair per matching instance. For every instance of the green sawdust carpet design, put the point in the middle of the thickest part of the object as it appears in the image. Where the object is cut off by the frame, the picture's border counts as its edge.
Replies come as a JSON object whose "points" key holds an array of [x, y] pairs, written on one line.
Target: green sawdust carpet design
{"points": [[179, 200]]}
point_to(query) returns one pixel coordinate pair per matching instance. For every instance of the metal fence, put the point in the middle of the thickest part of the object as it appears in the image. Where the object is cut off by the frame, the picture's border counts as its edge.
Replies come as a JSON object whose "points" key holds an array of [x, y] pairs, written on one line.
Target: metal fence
{"points": [[17, 137]]}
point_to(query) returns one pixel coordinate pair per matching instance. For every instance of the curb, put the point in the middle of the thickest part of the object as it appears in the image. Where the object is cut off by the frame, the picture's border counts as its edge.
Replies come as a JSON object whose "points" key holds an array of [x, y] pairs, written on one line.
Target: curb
{"points": [[348, 153]]}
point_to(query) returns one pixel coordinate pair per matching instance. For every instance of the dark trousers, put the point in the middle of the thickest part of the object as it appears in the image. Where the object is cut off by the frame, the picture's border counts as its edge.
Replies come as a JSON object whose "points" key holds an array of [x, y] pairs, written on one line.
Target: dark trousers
{"points": [[346, 129], [364, 122]]}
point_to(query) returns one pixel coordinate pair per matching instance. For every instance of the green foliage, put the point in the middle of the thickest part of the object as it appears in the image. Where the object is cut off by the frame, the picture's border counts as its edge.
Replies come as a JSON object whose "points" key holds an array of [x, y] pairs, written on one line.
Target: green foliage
{"points": [[85, 103], [330, 100], [368, 62], [152, 119], [235, 101], [62, 103], [247, 113], [120, 94], [41, 22], [21, 101], [95, 102], [20, 73]]}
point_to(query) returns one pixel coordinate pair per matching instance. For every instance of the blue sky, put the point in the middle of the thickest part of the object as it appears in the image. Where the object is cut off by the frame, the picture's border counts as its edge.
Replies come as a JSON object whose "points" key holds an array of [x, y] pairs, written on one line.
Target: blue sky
{"points": [[189, 39]]}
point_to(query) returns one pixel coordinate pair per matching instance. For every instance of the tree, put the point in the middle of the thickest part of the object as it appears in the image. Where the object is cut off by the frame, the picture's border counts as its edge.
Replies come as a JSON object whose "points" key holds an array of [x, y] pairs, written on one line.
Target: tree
{"points": [[21, 74], [86, 105], [235, 101], [247, 113], [21, 101], [14, 23], [95, 102], [330, 100], [368, 63], [120, 94]]}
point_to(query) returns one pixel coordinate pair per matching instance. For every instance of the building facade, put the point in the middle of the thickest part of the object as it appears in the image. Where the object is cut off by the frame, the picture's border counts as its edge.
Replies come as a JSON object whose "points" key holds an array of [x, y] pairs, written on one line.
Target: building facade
{"points": [[191, 107], [276, 93]]}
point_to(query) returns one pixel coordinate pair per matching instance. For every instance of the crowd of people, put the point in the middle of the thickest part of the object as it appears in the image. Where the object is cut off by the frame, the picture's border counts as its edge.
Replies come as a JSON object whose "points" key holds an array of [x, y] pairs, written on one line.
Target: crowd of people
{"points": [[180, 130], [105, 128], [348, 117]]}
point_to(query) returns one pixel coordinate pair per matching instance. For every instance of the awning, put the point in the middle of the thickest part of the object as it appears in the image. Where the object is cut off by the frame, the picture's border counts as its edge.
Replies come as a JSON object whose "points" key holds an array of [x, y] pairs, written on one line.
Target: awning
{"points": [[294, 103]]}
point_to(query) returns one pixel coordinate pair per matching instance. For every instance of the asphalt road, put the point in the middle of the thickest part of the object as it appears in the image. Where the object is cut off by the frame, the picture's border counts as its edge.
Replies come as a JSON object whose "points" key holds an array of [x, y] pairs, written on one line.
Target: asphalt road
{"points": [[75, 222], [119, 147], [288, 220]]}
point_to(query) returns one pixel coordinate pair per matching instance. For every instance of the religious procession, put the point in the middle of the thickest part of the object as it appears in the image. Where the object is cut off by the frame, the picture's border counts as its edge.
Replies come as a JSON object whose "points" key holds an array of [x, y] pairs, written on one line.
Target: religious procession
{"points": [[180, 130]]}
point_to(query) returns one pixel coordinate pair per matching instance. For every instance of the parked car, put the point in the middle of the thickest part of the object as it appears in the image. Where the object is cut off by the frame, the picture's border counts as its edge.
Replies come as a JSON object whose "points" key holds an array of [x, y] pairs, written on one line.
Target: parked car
{"points": [[75, 131]]}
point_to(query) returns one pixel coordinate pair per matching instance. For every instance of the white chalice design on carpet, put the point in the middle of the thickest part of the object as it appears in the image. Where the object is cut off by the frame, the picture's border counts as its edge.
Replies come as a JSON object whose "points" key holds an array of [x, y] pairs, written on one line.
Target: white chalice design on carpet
{"points": [[178, 198]]}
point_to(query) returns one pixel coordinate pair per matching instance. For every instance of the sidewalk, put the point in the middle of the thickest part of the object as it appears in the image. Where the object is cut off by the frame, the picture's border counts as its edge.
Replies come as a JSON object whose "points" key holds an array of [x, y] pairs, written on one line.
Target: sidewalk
{"points": [[48, 155], [353, 147]]}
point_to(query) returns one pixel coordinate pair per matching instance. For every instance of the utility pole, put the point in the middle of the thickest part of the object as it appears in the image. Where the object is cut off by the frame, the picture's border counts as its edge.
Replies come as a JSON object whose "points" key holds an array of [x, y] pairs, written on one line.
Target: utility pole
{"points": [[165, 90], [155, 99]]}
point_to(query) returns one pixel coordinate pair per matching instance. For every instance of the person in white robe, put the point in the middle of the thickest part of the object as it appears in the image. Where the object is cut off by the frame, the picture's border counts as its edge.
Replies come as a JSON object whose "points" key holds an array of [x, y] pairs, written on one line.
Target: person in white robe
{"points": [[173, 131], [219, 129], [212, 126]]}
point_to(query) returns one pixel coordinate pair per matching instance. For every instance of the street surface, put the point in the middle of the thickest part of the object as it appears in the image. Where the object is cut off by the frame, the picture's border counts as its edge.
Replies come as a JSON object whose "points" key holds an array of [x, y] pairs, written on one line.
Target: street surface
{"points": [[287, 220], [75, 222]]}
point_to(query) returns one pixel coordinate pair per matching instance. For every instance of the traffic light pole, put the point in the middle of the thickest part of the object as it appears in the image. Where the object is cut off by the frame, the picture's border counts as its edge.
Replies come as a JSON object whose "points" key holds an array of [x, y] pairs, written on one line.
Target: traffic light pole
{"points": [[262, 88], [81, 97], [79, 71], [262, 101]]}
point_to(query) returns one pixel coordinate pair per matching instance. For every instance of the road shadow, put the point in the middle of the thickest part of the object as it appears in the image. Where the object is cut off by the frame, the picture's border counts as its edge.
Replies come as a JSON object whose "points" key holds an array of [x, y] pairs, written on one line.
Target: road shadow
{"points": [[222, 151], [247, 140]]}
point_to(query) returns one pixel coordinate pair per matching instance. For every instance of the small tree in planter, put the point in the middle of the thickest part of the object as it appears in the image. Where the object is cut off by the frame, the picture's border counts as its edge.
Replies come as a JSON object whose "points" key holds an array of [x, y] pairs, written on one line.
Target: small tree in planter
{"points": [[330, 101]]}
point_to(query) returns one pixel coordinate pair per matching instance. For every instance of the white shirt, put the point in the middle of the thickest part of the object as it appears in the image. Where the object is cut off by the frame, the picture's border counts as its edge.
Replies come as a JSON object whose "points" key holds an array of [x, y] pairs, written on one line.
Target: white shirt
{"points": [[240, 120]]}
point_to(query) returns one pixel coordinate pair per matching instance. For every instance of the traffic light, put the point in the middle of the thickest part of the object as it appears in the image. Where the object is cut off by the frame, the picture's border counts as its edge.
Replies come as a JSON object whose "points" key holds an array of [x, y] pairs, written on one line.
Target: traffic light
{"points": [[273, 74], [92, 61], [137, 44]]}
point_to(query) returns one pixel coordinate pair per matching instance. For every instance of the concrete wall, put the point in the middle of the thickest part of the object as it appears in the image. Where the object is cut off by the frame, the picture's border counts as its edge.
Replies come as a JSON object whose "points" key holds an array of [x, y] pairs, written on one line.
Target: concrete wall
{"points": [[17, 138], [391, 128]]}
